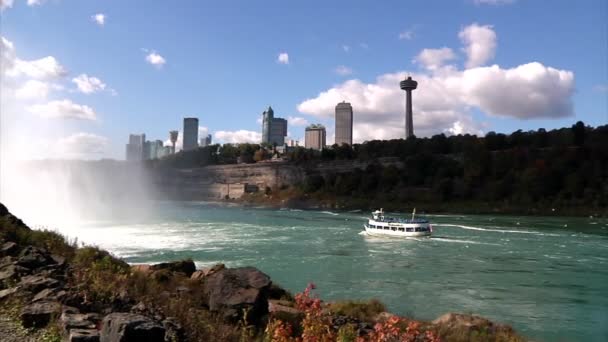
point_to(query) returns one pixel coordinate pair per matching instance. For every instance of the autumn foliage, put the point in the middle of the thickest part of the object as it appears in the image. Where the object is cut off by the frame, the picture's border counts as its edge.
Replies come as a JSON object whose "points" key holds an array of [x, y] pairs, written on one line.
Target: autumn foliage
{"points": [[316, 326]]}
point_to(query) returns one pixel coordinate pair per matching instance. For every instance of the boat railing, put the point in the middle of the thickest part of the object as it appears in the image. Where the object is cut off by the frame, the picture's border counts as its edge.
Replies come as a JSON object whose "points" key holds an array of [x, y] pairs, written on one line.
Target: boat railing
{"points": [[401, 220]]}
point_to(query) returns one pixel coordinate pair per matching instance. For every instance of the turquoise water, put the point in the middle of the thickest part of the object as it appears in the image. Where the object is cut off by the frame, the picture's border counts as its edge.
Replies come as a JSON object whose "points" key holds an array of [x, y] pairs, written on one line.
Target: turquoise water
{"points": [[546, 276]]}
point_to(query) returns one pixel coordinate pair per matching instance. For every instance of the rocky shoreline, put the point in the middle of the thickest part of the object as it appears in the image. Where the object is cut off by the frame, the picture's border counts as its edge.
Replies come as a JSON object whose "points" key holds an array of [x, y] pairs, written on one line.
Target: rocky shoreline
{"points": [[51, 290]]}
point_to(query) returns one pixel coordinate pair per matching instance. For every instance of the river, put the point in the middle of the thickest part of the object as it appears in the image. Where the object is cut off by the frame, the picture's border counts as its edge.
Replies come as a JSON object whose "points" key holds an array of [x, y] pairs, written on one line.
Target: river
{"points": [[545, 276]]}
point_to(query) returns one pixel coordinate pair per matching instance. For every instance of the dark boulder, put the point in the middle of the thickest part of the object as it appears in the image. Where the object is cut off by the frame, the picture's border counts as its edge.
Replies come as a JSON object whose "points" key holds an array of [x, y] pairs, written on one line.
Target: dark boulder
{"points": [[8, 292], [9, 248], [237, 290], [122, 327], [174, 332], [10, 273], [39, 314], [83, 335], [186, 267], [50, 294], [69, 321], [34, 257], [36, 283]]}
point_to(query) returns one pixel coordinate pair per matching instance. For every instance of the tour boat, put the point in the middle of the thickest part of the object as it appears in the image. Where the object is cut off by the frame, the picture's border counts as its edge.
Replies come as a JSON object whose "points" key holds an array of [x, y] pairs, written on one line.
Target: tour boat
{"points": [[379, 224]]}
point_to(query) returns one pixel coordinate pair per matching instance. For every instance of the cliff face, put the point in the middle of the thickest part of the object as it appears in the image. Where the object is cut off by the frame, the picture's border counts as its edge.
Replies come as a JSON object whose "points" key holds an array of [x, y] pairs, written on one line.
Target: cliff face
{"points": [[232, 181], [219, 181]]}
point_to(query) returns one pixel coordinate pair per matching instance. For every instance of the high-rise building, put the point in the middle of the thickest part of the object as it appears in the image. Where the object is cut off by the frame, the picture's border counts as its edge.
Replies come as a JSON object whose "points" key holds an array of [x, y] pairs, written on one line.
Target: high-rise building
{"points": [[274, 130], [190, 135], [344, 123], [135, 147], [408, 85], [205, 141], [314, 137], [155, 149]]}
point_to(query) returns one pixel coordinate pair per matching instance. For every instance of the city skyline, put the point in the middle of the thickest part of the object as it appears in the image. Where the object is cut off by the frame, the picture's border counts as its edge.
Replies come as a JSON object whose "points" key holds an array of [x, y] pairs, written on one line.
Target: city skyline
{"points": [[475, 69]]}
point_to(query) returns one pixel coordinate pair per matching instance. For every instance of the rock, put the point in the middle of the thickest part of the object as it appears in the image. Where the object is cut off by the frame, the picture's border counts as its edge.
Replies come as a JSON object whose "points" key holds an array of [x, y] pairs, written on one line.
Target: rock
{"points": [[213, 269], [34, 257], [198, 275], [50, 294], [9, 248], [173, 330], [461, 320], [69, 321], [183, 266], [284, 311], [40, 313], [36, 283], [59, 260], [122, 327], [235, 290], [11, 272], [83, 335], [141, 268], [6, 293], [383, 316]]}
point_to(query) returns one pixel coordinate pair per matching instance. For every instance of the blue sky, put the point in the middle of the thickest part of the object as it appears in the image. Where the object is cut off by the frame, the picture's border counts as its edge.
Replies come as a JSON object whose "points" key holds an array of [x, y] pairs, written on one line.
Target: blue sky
{"points": [[221, 64]]}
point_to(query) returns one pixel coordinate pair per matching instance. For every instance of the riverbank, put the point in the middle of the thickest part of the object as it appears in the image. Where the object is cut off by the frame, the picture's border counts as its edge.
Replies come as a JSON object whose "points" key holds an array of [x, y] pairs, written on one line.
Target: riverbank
{"points": [[69, 291], [293, 198]]}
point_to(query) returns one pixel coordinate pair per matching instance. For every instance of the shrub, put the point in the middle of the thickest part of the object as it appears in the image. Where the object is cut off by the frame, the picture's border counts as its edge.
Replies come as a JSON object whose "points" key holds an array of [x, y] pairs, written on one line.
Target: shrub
{"points": [[362, 310]]}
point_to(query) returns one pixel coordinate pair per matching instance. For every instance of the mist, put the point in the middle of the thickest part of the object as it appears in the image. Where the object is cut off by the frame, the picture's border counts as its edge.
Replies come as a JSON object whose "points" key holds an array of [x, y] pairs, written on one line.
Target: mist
{"points": [[56, 193]]}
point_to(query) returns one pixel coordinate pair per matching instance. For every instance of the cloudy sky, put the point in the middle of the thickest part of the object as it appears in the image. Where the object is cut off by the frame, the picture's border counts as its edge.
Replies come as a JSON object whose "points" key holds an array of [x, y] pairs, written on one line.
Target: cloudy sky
{"points": [[78, 76]]}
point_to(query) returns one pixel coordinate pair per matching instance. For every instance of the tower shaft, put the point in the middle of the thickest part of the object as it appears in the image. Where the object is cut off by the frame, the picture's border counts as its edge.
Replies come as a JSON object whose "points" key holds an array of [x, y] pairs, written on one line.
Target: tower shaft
{"points": [[409, 122]]}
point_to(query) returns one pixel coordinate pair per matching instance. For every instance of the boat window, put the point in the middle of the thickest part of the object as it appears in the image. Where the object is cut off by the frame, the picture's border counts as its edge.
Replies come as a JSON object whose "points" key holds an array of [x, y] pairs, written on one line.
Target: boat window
{"points": [[386, 228], [410, 229], [394, 229], [401, 229]]}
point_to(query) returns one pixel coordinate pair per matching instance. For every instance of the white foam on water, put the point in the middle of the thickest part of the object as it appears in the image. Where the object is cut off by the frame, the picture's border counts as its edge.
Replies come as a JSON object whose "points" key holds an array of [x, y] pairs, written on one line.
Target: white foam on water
{"points": [[495, 230], [464, 241], [330, 213]]}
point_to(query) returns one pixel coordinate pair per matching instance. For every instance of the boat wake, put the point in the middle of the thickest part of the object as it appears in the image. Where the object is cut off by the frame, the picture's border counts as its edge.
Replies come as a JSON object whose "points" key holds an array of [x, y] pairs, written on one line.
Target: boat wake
{"points": [[468, 242], [495, 230]]}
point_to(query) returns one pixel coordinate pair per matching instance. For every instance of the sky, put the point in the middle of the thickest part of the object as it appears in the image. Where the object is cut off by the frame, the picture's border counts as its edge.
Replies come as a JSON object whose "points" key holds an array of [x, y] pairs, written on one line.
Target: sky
{"points": [[77, 77]]}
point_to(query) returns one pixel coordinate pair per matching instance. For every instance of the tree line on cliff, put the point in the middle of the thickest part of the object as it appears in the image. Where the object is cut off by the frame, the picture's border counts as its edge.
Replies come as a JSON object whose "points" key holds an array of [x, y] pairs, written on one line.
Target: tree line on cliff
{"points": [[565, 167]]}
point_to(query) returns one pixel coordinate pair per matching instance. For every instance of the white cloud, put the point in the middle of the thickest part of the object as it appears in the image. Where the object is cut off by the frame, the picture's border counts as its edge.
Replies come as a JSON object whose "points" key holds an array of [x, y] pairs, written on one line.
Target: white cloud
{"points": [[283, 58], [63, 109], [5, 4], [7, 55], [236, 137], [43, 68], [297, 121], [346, 48], [33, 90], [406, 35], [81, 145], [343, 70], [444, 100], [155, 59], [493, 2], [99, 19], [35, 2], [480, 44], [88, 85], [434, 59]]}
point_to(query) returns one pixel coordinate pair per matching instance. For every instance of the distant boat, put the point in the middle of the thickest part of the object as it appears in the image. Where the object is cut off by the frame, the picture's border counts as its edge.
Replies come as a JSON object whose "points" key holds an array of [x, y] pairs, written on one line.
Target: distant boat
{"points": [[379, 224]]}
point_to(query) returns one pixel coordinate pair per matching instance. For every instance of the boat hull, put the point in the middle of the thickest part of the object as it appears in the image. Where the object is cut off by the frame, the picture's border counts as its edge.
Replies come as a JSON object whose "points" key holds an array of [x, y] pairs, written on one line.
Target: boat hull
{"points": [[395, 233]]}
